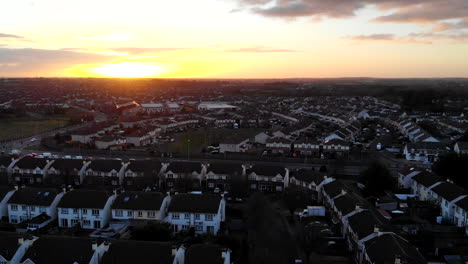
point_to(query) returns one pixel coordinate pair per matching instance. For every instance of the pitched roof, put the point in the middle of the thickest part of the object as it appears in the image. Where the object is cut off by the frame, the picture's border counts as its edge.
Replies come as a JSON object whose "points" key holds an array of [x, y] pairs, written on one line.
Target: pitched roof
{"points": [[34, 196], [267, 170], [384, 249], [60, 249], [449, 191], [428, 145], [463, 203], [129, 251], [363, 223], [67, 164], [8, 244], [4, 190], [334, 188], [408, 170], [184, 167], [426, 178], [31, 163], [347, 203], [5, 161], [84, 199], [105, 165], [198, 254], [145, 166], [195, 203], [307, 176], [225, 168], [139, 201]]}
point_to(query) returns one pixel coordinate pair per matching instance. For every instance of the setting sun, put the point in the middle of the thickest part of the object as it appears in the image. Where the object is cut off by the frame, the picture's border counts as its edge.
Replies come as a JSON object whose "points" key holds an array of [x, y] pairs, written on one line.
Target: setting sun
{"points": [[129, 70]]}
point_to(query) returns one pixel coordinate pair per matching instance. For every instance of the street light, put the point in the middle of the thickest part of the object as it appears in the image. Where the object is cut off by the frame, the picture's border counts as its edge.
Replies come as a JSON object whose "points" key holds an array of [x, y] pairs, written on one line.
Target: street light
{"points": [[188, 149]]}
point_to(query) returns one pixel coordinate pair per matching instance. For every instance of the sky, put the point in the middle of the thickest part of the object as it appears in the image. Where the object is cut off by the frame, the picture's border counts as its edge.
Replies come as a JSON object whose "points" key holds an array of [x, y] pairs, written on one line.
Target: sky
{"points": [[234, 38]]}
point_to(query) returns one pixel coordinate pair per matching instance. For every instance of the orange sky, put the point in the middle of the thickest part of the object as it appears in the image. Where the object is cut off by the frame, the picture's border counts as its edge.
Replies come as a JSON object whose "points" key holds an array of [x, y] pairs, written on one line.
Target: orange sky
{"points": [[234, 38]]}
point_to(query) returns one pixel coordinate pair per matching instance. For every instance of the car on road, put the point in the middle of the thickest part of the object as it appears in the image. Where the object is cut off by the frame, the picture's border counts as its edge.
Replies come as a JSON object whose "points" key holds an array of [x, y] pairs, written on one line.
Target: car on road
{"points": [[67, 157], [33, 140]]}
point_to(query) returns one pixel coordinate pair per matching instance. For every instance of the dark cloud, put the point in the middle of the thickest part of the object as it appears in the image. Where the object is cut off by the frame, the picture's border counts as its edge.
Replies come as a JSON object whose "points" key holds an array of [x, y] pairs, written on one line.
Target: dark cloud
{"points": [[260, 50], [2, 35]]}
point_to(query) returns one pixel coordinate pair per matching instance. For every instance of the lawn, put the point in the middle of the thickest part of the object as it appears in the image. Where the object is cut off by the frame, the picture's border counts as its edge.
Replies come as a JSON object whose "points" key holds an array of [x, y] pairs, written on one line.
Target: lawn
{"points": [[25, 127], [203, 138]]}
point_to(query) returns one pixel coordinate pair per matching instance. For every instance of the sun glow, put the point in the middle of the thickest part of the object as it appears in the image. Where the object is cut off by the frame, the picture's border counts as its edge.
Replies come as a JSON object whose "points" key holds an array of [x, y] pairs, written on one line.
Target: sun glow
{"points": [[129, 70]]}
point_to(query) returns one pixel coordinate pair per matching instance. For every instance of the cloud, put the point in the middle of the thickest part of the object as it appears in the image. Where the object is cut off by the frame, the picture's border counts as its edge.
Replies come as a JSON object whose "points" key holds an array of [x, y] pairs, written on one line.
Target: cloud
{"points": [[373, 37], [260, 50], [37, 60], [2, 35]]}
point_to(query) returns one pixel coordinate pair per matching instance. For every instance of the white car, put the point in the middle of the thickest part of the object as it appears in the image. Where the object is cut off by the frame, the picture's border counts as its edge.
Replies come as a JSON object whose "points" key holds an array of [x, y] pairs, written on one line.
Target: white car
{"points": [[33, 139]]}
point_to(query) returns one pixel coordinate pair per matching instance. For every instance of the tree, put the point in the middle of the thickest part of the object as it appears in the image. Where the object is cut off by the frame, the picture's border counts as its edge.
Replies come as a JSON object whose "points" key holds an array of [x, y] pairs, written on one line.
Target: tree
{"points": [[154, 231], [377, 179]]}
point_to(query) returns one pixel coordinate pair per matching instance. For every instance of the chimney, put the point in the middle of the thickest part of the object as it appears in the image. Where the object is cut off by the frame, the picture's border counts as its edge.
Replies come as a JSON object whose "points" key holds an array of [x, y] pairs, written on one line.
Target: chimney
{"points": [[64, 190], [20, 240], [174, 250], [94, 246], [114, 191], [357, 207], [16, 187], [168, 194], [343, 192], [397, 259], [376, 229]]}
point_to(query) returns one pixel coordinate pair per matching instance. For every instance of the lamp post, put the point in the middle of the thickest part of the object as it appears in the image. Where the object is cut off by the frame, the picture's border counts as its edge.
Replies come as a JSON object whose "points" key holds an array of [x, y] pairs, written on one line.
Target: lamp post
{"points": [[188, 149]]}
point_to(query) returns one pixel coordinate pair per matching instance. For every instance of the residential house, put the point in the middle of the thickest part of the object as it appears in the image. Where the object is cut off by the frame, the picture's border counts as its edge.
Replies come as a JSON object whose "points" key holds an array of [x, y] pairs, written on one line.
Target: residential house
{"points": [[423, 183], [34, 204], [425, 151], [105, 172], [279, 145], [203, 253], [336, 148], [141, 173], [447, 195], [29, 170], [110, 142], [460, 148], [130, 251], [406, 175], [460, 218], [332, 190], [66, 171], [6, 164], [203, 212], [390, 248], [307, 147], [13, 247], [133, 207], [182, 175], [268, 178], [345, 206], [234, 143], [90, 209], [261, 138], [222, 175], [5, 194]]}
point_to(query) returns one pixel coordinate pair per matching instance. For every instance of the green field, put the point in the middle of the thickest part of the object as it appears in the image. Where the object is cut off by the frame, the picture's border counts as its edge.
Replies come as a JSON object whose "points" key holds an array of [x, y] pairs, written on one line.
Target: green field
{"points": [[25, 127], [203, 138]]}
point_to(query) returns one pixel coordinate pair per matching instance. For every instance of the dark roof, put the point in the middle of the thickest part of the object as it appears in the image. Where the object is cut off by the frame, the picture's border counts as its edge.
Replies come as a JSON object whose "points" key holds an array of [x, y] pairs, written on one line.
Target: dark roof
{"points": [[463, 146], [385, 248], [84, 199], [105, 165], [5, 161], [225, 168], [267, 170], [347, 203], [204, 254], [334, 188], [463, 203], [408, 170], [145, 166], [34, 196], [196, 203], [31, 163], [363, 223], [308, 176], [4, 190], [67, 164], [428, 145], [8, 244], [449, 191], [184, 167], [138, 252], [59, 250], [139, 201], [426, 178], [337, 142]]}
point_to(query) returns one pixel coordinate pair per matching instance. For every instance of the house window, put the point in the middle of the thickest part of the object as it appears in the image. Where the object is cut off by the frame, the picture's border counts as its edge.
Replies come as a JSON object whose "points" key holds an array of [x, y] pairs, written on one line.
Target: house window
{"points": [[175, 215], [199, 228], [64, 222], [197, 216], [187, 216], [114, 182], [97, 224], [118, 213], [209, 217], [95, 212], [210, 185], [185, 227], [64, 210], [24, 208], [32, 208], [75, 210], [140, 213], [14, 219], [85, 211], [114, 174], [86, 222], [175, 228], [210, 229], [151, 214], [129, 213], [42, 209], [170, 175], [74, 222], [14, 207]]}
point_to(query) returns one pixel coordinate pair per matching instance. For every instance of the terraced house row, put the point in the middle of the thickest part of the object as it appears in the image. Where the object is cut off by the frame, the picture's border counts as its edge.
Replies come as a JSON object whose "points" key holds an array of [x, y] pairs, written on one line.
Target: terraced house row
{"points": [[34, 207], [15, 249], [138, 174]]}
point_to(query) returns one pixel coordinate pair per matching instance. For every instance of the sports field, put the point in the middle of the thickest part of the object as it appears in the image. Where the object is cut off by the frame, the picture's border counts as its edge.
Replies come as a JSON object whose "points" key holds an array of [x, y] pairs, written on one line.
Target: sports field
{"points": [[25, 127]]}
